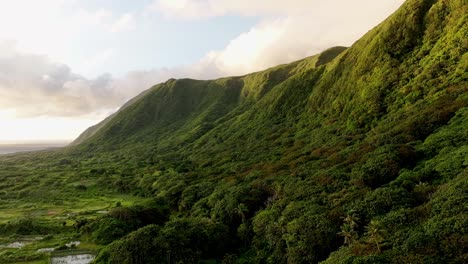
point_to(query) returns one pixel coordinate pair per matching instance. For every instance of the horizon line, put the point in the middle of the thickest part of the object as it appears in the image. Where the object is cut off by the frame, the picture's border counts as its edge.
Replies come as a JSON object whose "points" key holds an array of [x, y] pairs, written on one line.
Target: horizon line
{"points": [[34, 141]]}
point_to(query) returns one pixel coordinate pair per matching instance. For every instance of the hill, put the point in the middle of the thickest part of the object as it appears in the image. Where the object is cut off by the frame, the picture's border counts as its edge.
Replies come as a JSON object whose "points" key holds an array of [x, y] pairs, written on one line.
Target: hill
{"points": [[355, 155]]}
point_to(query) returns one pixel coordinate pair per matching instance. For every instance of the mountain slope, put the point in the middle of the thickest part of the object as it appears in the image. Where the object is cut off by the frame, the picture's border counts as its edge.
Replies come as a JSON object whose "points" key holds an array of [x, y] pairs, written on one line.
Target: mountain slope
{"points": [[357, 129], [354, 155], [179, 104]]}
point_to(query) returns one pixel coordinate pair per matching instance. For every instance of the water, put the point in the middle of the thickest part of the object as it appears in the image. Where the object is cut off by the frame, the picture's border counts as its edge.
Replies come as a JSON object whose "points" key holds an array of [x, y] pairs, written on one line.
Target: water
{"points": [[13, 245], [16, 245], [45, 250], [73, 259], [8, 148]]}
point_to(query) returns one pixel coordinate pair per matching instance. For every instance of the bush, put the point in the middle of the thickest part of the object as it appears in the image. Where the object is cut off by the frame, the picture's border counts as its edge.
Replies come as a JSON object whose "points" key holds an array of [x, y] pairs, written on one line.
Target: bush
{"points": [[383, 164], [179, 241], [123, 220], [310, 239]]}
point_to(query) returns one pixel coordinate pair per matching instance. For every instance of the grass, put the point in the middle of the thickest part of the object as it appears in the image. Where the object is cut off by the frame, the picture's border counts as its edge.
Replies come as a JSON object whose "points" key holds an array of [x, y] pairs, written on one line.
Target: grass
{"points": [[265, 168], [55, 215]]}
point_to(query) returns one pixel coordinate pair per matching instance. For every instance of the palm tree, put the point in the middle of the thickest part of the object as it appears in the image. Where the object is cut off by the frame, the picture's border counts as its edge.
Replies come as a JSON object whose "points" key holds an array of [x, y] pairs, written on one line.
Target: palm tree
{"points": [[277, 190], [241, 209], [348, 233], [351, 219], [375, 234]]}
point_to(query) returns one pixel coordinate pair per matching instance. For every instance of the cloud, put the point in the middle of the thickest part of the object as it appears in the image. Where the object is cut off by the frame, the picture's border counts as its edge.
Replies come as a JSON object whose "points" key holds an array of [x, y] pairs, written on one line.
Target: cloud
{"points": [[126, 22], [53, 26], [34, 85], [288, 31], [90, 65], [104, 19], [196, 9], [191, 9], [297, 33], [101, 18]]}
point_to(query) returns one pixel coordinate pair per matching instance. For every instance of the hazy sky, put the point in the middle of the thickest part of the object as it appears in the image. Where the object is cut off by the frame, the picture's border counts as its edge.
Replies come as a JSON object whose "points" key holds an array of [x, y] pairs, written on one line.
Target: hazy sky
{"points": [[66, 64]]}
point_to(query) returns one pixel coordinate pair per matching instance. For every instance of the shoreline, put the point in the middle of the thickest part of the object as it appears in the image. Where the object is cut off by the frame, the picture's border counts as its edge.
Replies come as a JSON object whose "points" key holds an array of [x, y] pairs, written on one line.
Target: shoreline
{"points": [[11, 148]]}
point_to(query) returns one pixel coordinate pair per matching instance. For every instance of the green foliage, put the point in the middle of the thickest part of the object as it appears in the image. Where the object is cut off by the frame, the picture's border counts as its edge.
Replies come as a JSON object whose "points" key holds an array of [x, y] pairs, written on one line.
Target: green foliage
{"points": [[137, 247], [122, 220], [309, 239], [28, 226], [383, 164], [180, 240], [263, 168], [375, 234]]}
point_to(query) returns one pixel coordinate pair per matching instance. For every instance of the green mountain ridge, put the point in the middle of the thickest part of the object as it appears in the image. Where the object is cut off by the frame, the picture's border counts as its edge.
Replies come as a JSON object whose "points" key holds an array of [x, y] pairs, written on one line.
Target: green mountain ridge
{"points": [[355, 155], [204, 101]]}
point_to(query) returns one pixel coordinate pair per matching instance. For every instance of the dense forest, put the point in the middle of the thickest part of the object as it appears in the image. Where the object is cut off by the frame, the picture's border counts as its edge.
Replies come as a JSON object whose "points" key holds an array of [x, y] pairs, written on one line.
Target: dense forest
{"points": [[355, 155]]}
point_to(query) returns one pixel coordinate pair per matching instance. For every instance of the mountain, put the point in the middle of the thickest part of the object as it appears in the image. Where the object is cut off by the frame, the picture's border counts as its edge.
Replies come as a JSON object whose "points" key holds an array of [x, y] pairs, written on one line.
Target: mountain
{"points": [[237, 92], [355, 155], [191, 108]]}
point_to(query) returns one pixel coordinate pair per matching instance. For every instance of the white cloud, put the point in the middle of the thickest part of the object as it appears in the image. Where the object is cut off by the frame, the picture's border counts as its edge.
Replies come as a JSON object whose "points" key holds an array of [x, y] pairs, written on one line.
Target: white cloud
{"points": [[104, 19], [32, 85], [190, 9], [52, 26], [246, 53], [292, 37], [193, 9], [53, 89], [83, 17], [126, 22], [92, 64], [288, 30], [35, 85]]}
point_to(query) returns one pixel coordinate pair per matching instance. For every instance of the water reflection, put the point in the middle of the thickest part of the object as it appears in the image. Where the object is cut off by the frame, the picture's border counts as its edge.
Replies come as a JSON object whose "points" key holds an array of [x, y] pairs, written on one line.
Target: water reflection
{"points": [[73, 259]]}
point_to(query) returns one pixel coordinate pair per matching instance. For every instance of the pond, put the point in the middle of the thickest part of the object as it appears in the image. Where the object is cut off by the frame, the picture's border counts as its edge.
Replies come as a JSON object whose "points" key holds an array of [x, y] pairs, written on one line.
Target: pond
{"points": [[72, 259]]}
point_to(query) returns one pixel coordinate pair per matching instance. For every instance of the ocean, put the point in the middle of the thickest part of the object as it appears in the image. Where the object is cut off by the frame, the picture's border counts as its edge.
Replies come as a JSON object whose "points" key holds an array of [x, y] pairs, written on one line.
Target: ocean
{"points": [[8, 148]]}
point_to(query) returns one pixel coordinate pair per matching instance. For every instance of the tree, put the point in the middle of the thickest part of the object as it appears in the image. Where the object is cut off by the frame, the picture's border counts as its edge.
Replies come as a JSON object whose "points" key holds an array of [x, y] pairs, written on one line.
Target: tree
{"points": [[348, 229], [348, 233], [351, 220], [375, 234], [241, 209]]}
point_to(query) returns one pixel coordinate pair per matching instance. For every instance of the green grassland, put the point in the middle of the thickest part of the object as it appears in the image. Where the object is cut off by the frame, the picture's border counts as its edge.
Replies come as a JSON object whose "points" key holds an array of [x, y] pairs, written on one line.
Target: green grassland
{"points": [[355, 155], [52, 225], [41, 203]]}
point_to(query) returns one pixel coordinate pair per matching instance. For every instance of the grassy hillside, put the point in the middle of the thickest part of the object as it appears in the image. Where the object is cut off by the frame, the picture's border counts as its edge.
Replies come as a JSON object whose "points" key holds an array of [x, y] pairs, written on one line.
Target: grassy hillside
{"points": [[355, 155]]}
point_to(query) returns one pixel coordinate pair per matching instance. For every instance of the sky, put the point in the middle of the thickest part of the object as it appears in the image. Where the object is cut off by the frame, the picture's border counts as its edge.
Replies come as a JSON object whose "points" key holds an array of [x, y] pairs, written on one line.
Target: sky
{"points": [[67, 64]]}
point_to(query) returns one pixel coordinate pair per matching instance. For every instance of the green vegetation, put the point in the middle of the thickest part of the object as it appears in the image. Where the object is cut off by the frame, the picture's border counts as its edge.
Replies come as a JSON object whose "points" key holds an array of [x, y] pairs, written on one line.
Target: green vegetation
{"points": [[355, 155]]}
